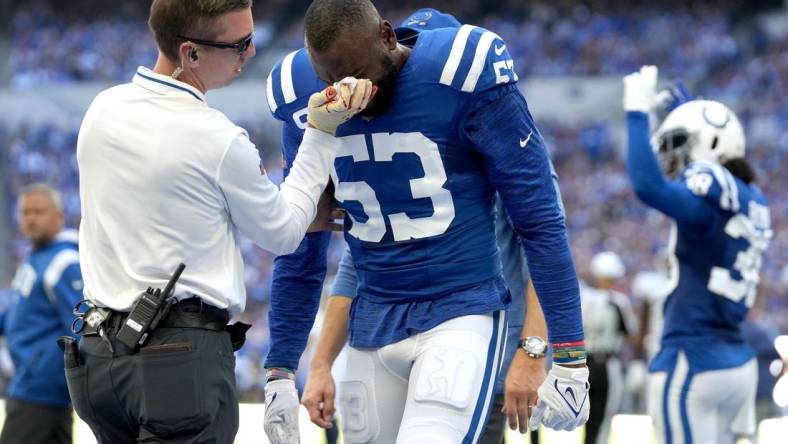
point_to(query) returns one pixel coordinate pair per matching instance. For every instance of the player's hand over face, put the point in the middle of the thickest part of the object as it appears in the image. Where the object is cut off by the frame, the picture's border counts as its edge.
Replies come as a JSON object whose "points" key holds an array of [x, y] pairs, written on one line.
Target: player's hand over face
{"points": [[281, 412], [640, 90], [522, 382], [563, 399], [319, 395], [328, 212], [336, 104]]}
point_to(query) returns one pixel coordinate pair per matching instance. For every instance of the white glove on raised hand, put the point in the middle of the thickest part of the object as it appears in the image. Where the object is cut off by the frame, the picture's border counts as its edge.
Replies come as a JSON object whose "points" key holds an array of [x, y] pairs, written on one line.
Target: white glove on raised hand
{"points": [[336, 104], [640, 90], [563, 399], [281, 412]]}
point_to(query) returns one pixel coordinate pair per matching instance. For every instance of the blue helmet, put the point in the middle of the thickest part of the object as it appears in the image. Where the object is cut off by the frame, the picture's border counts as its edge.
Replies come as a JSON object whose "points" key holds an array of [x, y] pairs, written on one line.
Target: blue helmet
{"points": [[422, 20]]}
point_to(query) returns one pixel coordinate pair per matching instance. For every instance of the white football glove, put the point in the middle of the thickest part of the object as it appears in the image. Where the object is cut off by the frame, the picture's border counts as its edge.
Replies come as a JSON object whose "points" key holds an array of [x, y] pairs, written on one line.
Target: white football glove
{"points": [[640, 90], [563, 399], [281, 412], [336, 104]]}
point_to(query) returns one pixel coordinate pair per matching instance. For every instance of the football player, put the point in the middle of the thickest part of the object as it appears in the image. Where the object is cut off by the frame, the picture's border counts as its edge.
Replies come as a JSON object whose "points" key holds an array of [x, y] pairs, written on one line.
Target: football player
{"points": [[529, 350], [417, 175], [703, 381]]}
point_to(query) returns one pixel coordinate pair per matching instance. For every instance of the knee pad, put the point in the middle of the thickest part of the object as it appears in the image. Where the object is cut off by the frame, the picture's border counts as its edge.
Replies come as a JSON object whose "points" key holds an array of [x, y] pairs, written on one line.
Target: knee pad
{"points": [[357, 406], [449, 377], [359, 414]]}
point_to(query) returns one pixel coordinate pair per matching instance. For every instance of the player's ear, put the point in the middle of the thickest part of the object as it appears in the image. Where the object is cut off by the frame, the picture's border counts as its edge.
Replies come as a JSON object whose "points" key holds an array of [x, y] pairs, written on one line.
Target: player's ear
{"points": [[387, 35]]}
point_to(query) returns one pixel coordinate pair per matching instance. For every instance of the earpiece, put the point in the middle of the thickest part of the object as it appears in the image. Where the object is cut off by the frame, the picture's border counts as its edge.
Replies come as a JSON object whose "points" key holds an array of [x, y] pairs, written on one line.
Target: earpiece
{"points": [[193, 55]]}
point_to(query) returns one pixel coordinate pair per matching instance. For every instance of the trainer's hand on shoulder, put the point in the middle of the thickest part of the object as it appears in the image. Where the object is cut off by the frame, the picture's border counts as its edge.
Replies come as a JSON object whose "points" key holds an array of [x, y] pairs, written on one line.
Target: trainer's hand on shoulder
{"points": [[338, 103], [525, 376], [319, 395], [563, 399], [281, 412]]}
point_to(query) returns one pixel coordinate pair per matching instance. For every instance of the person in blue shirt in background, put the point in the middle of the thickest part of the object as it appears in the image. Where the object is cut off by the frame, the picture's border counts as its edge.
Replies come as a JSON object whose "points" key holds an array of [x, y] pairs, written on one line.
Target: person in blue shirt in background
{"points": [[47, 286], [703, 379], [427, 263]]}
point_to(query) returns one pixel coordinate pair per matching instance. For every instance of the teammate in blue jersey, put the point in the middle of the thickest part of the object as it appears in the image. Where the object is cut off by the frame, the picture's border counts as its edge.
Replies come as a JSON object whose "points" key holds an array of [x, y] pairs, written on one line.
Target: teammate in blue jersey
{"points": [[704, 377], [417, 174], [47, 286]]}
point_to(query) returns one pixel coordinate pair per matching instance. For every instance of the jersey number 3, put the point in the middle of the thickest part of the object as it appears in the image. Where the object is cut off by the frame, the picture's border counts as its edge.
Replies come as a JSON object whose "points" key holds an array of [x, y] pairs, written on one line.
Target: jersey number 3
{"points": [[403, 227], [754, 228]]}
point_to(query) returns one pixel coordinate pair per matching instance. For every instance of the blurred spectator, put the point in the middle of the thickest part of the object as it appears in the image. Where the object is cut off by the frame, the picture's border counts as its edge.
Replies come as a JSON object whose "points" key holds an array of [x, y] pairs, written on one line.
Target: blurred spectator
{"points": [[46, 288]]}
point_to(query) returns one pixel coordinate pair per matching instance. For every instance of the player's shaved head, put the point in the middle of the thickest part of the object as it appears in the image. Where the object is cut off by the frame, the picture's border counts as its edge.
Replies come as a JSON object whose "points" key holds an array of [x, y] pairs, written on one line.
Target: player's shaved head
{"points": [[348, 38], [328, 20]]}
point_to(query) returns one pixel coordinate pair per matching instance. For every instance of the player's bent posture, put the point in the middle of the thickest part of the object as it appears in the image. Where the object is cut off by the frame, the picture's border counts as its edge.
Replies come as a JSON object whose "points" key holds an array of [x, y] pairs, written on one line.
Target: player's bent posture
{"points": [[417, 175], [704, 377], [525, 356]]}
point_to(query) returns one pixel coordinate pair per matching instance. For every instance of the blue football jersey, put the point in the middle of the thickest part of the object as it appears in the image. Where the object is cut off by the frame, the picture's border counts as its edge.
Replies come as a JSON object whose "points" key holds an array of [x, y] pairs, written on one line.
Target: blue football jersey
{"points": [[716, 272], [418, 185], [46, 287], [722, 228]]}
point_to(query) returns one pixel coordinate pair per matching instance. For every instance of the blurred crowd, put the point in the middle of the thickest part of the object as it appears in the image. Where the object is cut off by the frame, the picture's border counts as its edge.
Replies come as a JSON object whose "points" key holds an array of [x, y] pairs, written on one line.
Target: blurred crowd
{"points": [[722, 54]]}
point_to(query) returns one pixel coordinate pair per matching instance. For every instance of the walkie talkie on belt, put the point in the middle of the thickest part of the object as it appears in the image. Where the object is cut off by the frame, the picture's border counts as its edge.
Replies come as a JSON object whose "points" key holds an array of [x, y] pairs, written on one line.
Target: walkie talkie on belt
{"points": [[147, 312]]}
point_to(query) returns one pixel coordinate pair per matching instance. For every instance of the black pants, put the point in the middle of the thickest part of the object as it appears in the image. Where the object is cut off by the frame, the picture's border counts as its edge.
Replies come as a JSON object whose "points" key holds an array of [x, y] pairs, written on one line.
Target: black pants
{"points": [[178, 389], [29, 423], [495, 429], [597, 394]]}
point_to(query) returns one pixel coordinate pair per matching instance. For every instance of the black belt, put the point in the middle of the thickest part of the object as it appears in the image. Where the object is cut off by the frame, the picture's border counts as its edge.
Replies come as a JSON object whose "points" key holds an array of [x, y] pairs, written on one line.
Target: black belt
{"points": [[186, 313]]}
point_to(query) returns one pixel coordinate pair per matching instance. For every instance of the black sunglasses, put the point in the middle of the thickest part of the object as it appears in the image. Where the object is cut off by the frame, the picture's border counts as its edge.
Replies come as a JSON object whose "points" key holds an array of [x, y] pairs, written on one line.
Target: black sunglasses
{"points": [[240, 46]]}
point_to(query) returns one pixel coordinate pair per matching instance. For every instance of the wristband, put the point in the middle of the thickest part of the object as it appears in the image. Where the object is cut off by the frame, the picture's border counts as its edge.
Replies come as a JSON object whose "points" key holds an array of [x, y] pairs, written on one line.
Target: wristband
{"points": [[274, 373], [569, 353]]}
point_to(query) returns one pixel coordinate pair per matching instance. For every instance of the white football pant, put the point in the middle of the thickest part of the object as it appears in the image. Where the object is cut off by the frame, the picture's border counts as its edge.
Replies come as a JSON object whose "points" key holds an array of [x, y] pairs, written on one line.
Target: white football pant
{"points": [[434, 387], [708, 407]]}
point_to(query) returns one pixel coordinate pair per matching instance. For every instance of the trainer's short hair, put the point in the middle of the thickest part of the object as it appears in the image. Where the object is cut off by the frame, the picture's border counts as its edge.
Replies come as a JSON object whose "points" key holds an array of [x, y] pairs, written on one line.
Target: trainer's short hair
{"points": [[41, 188], [190, 18], [325, 19]]}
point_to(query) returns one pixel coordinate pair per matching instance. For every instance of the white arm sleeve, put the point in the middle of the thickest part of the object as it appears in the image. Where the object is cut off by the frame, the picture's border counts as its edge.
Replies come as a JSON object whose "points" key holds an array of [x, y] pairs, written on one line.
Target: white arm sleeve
{"points": [[276, 220]]}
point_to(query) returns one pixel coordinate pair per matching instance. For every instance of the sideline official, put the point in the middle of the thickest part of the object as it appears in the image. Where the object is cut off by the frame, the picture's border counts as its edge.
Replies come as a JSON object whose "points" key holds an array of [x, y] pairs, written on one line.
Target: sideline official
{"points": [[165, 179], [45, 288]]}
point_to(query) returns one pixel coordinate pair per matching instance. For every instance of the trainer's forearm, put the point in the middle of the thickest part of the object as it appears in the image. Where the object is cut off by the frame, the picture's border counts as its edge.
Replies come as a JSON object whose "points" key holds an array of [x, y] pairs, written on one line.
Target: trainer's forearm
{"points": [[334, 333]]}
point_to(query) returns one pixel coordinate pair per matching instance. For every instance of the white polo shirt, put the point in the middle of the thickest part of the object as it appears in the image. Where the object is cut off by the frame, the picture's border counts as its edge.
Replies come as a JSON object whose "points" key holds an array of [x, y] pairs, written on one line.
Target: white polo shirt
{"points": [[166, 179]]}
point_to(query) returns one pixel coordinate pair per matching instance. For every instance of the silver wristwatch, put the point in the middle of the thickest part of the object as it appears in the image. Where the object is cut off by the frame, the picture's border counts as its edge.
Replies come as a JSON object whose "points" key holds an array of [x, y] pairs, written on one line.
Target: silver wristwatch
{"points": [[534, 346]]}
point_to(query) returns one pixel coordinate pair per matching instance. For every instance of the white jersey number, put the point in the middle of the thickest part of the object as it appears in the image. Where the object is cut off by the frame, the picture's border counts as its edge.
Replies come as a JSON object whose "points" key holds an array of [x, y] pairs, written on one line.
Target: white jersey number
{"points": [[754, 228], [403, 227]]}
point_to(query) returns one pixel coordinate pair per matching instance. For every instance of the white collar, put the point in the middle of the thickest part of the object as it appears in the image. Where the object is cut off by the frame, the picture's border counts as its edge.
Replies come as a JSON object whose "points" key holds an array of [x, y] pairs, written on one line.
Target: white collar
{"points": [[163, 84]]}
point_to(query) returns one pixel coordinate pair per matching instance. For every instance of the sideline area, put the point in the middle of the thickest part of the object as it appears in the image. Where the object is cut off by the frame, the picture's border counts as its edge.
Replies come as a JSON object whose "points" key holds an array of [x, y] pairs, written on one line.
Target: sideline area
{"points": [[623, 429]]}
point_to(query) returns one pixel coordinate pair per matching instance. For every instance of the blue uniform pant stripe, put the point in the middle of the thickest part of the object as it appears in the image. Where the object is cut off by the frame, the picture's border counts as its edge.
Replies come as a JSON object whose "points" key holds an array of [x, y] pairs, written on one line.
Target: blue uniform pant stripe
{"points": [[665, 412], [685, 423], [494, 352]]}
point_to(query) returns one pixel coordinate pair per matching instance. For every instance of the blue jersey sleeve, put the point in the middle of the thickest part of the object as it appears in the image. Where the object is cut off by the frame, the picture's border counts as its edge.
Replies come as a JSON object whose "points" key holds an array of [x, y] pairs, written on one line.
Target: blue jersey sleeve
{"points": [[677, 199], [297, 281], [296, 287], [346, 280], [478, 60], [499, 125], [525, 272]]}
